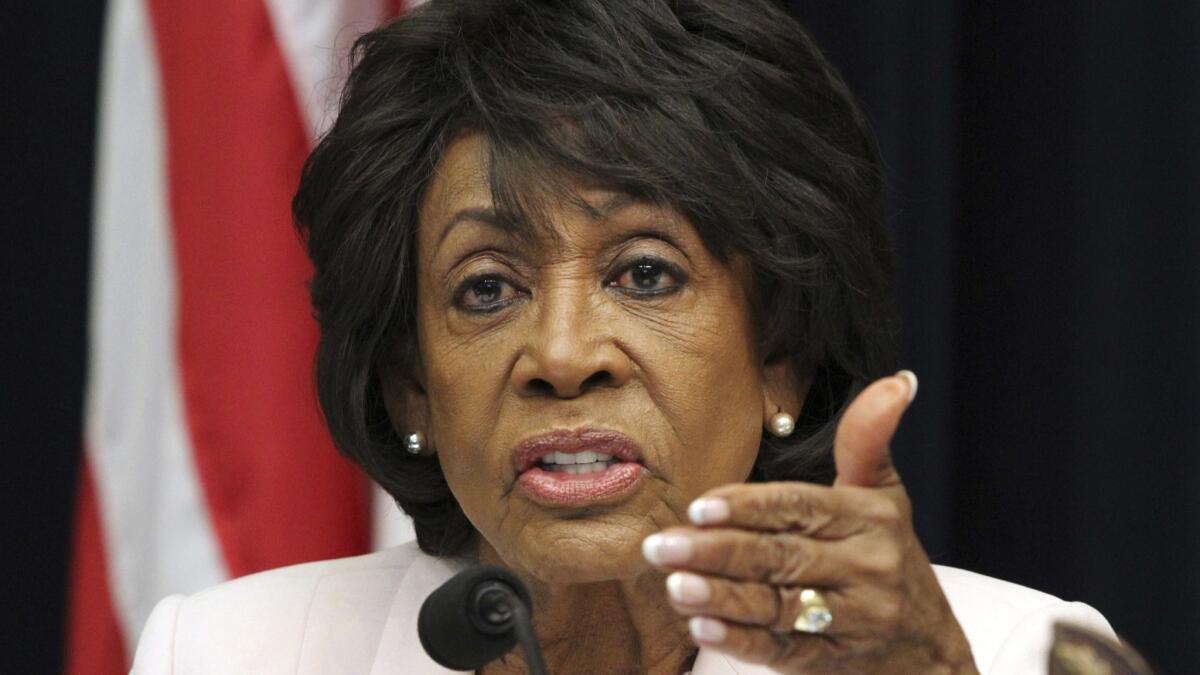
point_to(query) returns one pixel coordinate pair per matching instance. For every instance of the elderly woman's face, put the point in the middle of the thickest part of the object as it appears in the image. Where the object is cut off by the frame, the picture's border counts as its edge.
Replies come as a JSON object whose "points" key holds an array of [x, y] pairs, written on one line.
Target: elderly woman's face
{"points": [[614, 340]]}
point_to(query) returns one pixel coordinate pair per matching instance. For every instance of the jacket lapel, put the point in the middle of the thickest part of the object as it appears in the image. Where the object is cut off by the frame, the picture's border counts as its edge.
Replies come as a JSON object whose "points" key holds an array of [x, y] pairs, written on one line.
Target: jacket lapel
{"points": [[400, 649]]}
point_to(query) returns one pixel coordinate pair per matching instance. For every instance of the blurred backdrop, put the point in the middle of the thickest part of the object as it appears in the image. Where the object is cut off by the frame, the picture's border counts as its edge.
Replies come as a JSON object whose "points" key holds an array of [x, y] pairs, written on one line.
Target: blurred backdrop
{"points": [[1044, 171]]}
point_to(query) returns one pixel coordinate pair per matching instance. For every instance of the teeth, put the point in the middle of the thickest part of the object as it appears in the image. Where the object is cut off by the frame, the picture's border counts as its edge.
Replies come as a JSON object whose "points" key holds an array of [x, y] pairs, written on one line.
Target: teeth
{"points": [[587, 461], [591, 467], [568, 458]]}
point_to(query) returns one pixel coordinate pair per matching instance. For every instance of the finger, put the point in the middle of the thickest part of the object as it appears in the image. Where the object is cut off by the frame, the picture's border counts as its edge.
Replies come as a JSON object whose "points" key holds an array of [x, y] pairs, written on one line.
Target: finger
{"points": [[777, 559], [785, 652], [816, 511], [860, 448], [772, 607]]}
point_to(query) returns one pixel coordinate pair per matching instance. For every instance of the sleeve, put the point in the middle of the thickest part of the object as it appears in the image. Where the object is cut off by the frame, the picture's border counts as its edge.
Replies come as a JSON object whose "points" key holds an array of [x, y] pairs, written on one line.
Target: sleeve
{"points": [[156, 647], [1025, 650]]}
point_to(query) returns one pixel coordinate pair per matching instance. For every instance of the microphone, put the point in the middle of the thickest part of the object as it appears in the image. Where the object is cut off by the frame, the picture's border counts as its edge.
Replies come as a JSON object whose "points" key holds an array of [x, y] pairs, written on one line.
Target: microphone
{"points": [[476, 617]]}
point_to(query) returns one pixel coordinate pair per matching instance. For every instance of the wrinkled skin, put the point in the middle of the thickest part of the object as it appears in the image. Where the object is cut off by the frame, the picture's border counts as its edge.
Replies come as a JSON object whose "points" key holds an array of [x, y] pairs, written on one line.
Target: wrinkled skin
{"points": [[854, 541], [615, 316]]}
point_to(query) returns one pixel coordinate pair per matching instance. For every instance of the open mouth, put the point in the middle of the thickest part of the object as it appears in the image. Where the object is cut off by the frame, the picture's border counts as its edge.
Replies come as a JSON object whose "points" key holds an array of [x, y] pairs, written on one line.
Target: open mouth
{"points": [[576, 462], [575, 451], [579, 467]]}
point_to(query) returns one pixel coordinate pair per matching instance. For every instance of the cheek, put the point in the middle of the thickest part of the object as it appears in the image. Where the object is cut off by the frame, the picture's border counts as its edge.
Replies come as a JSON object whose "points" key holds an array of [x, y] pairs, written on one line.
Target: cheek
{"points": [[465, 385], [705, 382], [717, 412], [462, 371]]}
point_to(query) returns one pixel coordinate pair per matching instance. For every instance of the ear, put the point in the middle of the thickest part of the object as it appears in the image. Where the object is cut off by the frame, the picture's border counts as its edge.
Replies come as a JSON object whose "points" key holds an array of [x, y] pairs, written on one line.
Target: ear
{"points": [[784, 390], [406, 402]]}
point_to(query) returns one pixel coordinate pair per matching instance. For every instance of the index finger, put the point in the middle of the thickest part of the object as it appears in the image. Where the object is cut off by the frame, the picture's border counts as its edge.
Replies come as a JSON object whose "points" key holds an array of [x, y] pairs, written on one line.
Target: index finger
{"points": [[817, 511]]}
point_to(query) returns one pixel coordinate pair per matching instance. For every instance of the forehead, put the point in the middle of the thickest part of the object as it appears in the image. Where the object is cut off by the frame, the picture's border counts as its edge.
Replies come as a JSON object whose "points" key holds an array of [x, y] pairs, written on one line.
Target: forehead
{"points": [[461, 189], [460, 178]]}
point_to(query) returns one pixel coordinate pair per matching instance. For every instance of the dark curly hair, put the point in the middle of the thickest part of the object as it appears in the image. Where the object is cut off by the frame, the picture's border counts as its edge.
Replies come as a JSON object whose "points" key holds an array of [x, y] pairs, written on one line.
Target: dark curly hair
{"points": [[722, 109]]}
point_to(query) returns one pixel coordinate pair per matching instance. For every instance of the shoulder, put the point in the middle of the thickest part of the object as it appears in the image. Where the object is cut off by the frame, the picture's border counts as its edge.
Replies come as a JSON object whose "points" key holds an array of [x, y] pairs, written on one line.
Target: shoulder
{"points": [[265, 622], [1008, 625]]}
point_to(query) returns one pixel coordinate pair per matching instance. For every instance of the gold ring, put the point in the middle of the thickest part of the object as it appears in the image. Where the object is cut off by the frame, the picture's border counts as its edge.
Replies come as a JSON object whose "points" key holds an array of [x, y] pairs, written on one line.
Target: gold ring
{"points": [[814, 616]]}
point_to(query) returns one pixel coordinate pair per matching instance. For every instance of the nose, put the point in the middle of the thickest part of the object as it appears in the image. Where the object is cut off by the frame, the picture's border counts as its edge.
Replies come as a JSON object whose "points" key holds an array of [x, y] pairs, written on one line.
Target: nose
{"points": [[572, 350]]}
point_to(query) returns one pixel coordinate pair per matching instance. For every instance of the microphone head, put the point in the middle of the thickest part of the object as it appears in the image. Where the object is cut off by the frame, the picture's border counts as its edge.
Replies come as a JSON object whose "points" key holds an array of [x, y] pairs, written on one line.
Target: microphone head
{"points": [[467, 622]]}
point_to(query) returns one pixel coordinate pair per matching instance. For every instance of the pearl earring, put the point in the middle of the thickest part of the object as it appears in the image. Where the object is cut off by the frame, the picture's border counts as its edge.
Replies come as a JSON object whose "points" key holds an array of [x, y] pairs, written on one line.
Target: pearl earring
{"points": [[782, 425], [414, 443]]}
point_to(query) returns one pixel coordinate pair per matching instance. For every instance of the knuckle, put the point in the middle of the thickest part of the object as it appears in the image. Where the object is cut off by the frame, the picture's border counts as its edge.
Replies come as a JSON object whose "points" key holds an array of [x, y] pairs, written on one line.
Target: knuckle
{"points": [[788, 607], [886, 513], [781, 562], [794, 508], [797, 568], [742, 602], [879, 563], [779, 610], [882, 561]]}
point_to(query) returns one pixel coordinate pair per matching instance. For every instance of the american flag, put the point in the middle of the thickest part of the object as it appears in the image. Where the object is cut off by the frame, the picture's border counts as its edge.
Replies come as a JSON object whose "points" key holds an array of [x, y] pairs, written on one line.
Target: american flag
{"points": [[206, 456]]}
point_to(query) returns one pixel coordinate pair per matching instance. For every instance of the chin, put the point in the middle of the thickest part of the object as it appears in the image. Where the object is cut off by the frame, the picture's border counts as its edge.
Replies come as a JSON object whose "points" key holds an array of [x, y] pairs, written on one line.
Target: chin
{"points": [[558, 557]]}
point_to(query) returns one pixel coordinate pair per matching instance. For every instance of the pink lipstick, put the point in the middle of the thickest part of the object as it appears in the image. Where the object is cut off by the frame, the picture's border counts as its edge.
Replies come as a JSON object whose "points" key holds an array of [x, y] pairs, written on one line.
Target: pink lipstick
{"points": [[580, 467]]}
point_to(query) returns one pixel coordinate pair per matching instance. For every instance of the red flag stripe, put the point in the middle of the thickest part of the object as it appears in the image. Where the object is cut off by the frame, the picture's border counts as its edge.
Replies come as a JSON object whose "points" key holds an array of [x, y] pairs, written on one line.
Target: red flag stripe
{"points": [[246, 338], [157, 535], [94, 640]]}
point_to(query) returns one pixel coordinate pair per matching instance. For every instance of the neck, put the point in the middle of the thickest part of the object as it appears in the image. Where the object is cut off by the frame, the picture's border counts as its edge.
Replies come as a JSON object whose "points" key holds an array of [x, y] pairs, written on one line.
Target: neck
{"points": [[622, 626]]}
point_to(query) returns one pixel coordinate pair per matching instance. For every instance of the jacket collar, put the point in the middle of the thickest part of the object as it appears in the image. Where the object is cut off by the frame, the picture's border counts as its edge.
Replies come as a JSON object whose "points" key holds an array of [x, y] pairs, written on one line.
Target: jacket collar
{"points": [[400, 649]]}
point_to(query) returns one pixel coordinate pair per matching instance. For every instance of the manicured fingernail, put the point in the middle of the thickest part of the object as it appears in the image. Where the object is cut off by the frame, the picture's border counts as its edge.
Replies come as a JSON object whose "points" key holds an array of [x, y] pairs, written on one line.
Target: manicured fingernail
{"points": [[708, 511], [667, 549], [910, 377], [688, 589], [704, 629]]}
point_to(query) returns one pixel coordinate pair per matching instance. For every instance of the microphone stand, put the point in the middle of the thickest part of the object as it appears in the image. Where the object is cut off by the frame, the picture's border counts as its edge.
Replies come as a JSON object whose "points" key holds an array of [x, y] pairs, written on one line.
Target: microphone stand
{"points": [[527, 638]]}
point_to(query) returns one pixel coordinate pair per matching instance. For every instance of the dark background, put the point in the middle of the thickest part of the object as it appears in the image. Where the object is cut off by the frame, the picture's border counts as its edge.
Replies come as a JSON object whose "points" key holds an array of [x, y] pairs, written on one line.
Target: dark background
{"points": [[1044, 161]]}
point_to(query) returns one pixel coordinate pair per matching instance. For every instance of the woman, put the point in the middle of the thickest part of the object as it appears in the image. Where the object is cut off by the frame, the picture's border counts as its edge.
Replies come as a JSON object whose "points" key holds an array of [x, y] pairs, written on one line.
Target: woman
{"points": [[602, 286]]}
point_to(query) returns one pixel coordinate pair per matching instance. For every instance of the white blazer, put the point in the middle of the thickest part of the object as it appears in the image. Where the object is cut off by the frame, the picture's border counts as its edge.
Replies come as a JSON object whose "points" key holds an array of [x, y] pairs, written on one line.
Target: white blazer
{"points": [[358, 616]]}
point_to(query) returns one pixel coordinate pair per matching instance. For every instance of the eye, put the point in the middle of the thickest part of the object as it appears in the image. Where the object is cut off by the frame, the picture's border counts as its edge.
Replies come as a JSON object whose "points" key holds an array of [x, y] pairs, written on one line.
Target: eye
{"points": [[648, 276], [485, 294]]}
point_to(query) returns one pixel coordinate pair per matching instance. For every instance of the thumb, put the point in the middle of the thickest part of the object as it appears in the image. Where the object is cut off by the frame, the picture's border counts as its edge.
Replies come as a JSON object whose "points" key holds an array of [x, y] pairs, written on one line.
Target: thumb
{"points": [[860, 449]]}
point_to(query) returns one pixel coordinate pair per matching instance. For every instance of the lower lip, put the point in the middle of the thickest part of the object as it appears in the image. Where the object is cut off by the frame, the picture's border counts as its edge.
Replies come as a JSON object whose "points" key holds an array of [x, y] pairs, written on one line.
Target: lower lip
{"points": [[555, 488]]}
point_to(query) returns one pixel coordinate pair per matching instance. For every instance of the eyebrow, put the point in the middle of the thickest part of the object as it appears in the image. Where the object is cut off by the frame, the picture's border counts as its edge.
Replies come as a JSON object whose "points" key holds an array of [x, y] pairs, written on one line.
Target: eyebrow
{"points": [[487, 215], [609, 206]]}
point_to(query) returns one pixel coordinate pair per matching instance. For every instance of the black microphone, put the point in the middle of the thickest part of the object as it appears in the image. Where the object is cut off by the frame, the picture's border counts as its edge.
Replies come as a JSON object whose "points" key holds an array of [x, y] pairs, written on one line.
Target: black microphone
{"points": [[476, 617]]}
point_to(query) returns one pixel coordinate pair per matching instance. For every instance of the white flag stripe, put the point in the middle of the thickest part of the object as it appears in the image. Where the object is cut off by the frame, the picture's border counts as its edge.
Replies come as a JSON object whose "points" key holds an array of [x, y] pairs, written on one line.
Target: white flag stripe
{"points": [[315, 37], [158, 537]]}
